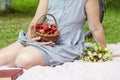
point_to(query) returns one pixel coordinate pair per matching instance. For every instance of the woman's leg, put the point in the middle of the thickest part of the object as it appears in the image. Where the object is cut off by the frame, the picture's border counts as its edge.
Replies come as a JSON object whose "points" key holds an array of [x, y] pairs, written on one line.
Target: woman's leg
{"points": [[9, 53], [29, 57]]}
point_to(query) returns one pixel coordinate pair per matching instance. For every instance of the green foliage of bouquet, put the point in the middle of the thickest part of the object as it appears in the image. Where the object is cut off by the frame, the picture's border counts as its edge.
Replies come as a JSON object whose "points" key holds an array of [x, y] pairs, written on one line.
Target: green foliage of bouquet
{"points": [[95, 53]]}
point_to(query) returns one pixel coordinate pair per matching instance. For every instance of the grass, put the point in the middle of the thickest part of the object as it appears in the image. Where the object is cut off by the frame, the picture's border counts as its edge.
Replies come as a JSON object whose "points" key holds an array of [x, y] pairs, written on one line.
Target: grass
{"points": [[18, 19], [10, 26], [112, 22], [112, 26], [23, 12]]}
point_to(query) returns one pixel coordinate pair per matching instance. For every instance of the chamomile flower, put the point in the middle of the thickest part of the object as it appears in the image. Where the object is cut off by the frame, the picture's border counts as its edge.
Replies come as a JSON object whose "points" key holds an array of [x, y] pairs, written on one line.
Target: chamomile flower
{"points": [[96, 53]]}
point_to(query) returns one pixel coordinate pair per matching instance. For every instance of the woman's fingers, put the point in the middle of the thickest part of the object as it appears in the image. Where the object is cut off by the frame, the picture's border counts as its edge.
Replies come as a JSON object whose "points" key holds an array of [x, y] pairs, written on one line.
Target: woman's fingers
{"points": [[35, 39], [50, 43]]}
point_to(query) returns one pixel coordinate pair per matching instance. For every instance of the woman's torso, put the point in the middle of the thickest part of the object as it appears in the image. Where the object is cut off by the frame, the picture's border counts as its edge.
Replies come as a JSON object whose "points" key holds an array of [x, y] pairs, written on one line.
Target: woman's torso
{"points": [[70, 16]]}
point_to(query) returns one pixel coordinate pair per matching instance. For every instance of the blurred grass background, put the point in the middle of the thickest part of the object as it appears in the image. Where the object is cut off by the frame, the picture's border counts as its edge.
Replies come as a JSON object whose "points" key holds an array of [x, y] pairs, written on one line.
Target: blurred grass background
{"points": [[23, 11]]}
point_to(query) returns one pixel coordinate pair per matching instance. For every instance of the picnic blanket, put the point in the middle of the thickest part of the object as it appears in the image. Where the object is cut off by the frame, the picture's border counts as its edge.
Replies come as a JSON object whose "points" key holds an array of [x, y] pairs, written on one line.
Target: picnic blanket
{"points": [[76, 70]]}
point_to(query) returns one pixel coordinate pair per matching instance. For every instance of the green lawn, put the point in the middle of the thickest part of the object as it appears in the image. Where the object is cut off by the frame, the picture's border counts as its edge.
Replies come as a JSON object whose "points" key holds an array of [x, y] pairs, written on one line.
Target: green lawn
{"points": [[112, 21], [112, 26], [19, 19]]}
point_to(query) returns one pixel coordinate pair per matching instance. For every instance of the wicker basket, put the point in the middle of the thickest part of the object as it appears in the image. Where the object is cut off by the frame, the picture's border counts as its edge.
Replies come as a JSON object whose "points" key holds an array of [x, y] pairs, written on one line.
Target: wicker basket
{"points": [[44, 37]]}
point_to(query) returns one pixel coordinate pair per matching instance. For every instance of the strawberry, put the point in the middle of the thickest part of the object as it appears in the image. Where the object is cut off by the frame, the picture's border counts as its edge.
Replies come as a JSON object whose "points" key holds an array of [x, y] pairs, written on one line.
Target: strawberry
{"points": [[42, 31], [56, 32], [54, 29], [45, 27], [53, 25], [37, 30], [49, 26], [51, 32], [39, 26]]}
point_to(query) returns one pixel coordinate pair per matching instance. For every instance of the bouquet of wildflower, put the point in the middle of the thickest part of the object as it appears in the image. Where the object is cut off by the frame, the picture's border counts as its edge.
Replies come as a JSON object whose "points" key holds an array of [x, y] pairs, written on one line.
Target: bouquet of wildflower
{"points": [[95, 53]]}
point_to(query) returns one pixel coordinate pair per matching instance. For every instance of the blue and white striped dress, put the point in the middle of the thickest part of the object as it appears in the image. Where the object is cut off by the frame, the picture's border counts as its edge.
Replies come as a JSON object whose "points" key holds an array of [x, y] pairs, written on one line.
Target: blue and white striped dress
{"points": [[70, 16]]}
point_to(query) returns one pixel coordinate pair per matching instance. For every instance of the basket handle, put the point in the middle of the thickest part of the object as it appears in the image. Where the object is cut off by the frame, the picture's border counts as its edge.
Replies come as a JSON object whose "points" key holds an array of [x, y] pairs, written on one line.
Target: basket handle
{"points": [[49, 15], [43, 16]]}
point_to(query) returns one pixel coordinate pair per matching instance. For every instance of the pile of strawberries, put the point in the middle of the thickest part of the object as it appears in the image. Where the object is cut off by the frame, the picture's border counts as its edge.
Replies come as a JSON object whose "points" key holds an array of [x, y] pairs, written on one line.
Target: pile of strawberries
{"points": [[47, 29]]}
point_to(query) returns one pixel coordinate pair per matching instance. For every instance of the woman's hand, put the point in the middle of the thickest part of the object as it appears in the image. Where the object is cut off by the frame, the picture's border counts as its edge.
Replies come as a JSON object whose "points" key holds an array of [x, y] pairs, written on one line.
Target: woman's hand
{"points": [[31, 31], [50, 43], [41, 10]]}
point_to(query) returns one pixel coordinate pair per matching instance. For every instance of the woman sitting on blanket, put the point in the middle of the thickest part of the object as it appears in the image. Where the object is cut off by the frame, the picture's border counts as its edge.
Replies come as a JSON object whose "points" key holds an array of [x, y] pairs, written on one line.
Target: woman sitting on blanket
{"points": [[71, 15]]}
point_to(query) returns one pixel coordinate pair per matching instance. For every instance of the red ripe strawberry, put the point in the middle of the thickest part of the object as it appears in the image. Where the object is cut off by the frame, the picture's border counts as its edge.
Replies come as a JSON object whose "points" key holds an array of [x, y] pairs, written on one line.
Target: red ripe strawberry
{"points": [[45, 27], [37, 30], [39, 26], [53, 25], [51, 32], [56, 32], [49, 26], [42, 31], [49, 29], [54, 29]]}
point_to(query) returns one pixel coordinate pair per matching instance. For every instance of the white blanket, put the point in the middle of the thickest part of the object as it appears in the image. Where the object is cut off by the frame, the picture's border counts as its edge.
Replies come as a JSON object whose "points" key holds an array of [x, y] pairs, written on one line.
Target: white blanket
{"points": [[76, 70]]}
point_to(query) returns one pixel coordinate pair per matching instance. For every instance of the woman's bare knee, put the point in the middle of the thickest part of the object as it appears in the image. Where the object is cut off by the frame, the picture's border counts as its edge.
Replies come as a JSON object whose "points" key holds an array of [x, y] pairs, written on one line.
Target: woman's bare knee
{"points": [[9, 53], [29, 57], [24, 61]]}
